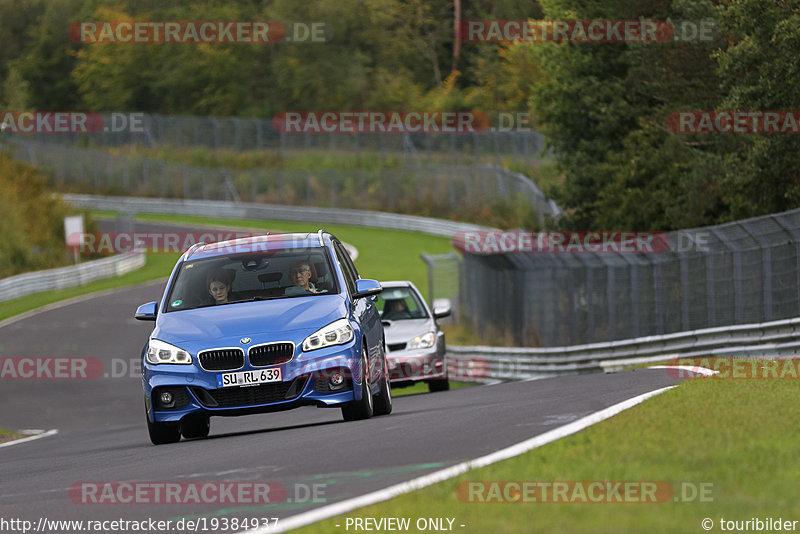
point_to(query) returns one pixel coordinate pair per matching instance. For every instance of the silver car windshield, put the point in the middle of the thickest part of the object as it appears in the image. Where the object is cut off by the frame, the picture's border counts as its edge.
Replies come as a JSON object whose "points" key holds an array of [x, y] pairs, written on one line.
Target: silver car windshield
{"points": [[400, 303]]}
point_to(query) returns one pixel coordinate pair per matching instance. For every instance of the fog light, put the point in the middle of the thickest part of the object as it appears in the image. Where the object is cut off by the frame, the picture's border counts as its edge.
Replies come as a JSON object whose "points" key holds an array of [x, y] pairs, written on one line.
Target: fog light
{"points": [[166, 398], [337, 379]]}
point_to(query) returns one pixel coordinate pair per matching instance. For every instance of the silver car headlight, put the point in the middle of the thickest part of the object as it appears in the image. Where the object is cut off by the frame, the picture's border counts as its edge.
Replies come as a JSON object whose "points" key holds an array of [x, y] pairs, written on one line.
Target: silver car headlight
{"points": [[337, 333], [425, 341], [160, 352]]}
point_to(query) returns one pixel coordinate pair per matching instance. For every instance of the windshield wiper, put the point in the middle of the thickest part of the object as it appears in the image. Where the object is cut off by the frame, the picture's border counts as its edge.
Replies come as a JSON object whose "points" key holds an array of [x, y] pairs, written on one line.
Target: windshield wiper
{"points": [[253, 299]]}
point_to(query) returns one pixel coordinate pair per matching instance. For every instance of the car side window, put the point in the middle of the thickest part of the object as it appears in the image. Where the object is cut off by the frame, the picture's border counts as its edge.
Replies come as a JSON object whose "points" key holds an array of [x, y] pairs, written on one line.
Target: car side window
{"points": [[345, 264], [348, 262]]}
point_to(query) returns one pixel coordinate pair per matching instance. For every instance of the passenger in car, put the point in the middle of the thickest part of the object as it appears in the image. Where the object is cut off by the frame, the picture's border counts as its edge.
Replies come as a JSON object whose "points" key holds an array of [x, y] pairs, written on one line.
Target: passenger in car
{"points": [[300, 275], [219, 283]]}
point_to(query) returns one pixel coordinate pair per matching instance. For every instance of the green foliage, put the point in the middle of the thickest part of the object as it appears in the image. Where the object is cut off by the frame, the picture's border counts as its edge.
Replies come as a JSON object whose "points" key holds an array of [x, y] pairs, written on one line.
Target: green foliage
{"points": [[759, 71], [604, 110], [16, 17], [32, 225], [49, 56], [602, 106]]}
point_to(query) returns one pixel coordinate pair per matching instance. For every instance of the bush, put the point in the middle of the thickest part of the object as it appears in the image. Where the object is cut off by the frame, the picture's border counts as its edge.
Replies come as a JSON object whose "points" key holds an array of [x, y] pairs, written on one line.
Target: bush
{"points": [[32, 225]]}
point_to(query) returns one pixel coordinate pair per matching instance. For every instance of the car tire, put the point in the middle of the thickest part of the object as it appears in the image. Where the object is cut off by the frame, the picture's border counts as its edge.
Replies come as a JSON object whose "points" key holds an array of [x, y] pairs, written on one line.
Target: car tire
{"points": [[162, 433], [439, 385], [195, 426], [383, 403], [360, 409]]}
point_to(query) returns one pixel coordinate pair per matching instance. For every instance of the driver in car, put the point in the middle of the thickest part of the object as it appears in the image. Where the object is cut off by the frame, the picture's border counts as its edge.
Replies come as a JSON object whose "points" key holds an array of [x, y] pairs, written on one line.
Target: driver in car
{"points": [[300, 276], [396, 309]]}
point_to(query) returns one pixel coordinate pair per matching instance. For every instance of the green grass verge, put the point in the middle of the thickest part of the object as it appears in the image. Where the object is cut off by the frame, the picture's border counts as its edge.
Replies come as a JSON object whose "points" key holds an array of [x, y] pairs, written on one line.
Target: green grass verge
{"points": [[422, 387], [9, 435], [323, 159], [157, 266], [382, 254], [738, 435]]}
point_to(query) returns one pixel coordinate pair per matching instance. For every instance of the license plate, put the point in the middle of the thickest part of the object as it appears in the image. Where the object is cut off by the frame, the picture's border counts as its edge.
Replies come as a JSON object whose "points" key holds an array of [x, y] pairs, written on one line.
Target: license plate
{"points": [[249, 378]]}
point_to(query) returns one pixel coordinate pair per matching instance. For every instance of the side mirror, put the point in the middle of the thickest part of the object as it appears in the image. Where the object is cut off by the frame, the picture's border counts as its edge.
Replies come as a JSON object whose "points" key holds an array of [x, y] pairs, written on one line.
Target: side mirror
{"points": [[441, 308], [146, 312], [366, 288]]}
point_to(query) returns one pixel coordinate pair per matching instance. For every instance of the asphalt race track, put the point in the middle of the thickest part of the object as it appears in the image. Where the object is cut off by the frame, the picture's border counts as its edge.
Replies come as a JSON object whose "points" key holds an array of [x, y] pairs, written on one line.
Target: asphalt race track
{"points": [[102, 435]]}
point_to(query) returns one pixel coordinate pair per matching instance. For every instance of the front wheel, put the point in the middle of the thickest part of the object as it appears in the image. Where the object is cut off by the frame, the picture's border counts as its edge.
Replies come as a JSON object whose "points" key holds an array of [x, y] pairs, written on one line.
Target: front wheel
{"points": [[360, 409], [383, 404], [439, 385], [161, 433], [195, 426]]}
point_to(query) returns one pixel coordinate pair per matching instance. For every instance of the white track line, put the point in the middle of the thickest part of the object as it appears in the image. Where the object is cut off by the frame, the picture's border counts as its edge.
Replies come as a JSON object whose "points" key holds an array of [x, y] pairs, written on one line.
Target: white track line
{"points": [[331, 510], [29, 438], [696, 370]]}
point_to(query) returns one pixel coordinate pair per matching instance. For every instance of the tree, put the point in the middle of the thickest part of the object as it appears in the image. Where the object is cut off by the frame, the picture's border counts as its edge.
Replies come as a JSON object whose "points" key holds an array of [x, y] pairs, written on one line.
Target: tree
{"points": [[603, 107], [760, 71]]}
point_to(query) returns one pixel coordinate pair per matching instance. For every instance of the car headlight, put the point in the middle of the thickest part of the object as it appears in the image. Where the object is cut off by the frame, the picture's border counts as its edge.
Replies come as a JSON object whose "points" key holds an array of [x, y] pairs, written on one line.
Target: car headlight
{"points": [[160, 352], [425, 341], [336, 333]]}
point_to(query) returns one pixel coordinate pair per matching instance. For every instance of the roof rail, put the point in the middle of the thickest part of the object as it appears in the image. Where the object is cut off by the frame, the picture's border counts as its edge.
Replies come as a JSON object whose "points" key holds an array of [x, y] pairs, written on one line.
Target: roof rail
{"points": [[193, 247]]}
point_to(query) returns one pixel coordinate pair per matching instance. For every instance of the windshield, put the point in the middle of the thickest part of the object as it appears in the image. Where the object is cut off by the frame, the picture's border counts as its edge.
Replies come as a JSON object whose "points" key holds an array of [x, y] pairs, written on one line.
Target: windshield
{"points": [[400, 303], [264, 275]]}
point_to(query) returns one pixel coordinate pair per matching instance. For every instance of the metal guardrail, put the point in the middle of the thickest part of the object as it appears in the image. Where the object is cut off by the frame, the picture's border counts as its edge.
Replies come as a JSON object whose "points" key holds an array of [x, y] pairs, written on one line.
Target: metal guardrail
{"points": [[446, 189], [64, 277], [243, 210], [773, 339]]}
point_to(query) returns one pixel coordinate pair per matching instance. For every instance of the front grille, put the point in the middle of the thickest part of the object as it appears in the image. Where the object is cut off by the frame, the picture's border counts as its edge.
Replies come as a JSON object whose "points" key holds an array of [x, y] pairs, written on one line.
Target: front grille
{"points": [[221, 359], [233, 397], [272, 354], [397, 346]]}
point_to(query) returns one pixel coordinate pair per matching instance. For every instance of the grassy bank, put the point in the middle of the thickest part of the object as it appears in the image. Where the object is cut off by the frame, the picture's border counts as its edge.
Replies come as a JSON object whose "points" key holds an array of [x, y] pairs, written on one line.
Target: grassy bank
{"points": [[8, 435], [383, 254], [736, 437], [157, 266]]}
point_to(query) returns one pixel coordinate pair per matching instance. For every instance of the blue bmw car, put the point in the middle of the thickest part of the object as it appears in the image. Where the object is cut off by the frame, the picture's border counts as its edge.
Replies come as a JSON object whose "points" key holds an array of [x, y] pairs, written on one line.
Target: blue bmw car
{"points": [[262, 324]]}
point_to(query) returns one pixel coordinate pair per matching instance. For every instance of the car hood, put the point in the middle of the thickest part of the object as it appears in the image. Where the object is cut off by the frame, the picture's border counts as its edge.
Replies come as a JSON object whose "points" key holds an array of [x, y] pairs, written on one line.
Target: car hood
{"points": [[406, 329], [250, 318]]}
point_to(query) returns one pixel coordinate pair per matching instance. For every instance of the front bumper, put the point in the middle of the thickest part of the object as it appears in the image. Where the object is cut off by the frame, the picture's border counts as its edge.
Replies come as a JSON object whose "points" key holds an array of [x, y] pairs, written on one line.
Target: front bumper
{"points": [[304, 383], [415, 365]]}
